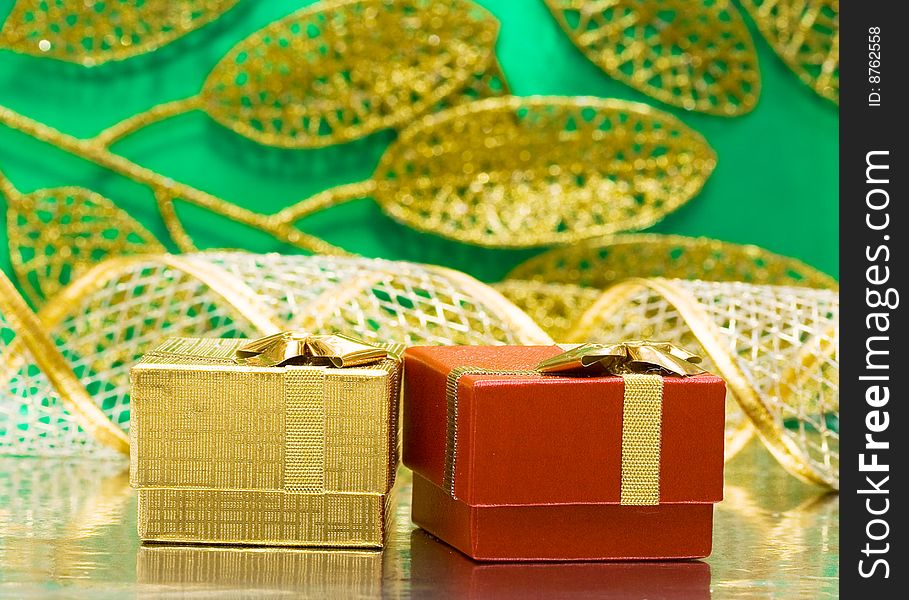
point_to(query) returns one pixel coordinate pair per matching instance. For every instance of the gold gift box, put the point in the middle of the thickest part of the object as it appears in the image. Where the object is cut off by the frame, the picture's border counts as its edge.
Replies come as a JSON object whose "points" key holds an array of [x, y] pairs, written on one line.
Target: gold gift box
{"points": [[227, 452]]}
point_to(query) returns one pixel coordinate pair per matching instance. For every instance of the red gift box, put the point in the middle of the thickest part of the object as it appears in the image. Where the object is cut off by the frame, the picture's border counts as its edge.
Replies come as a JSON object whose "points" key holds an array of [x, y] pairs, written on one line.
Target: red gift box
{"points": [[523, 466]]}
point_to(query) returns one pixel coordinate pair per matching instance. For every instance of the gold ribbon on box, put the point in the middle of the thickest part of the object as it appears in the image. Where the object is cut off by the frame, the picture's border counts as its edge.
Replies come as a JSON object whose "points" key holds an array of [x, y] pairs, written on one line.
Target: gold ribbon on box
{"points": [[642, 365], [301, 348], [305, 433]]}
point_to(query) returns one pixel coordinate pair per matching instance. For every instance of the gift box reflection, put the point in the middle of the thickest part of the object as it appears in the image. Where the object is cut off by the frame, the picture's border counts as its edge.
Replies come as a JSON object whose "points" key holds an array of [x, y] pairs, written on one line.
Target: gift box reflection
{"points": [[321, 573], [445, 572]]}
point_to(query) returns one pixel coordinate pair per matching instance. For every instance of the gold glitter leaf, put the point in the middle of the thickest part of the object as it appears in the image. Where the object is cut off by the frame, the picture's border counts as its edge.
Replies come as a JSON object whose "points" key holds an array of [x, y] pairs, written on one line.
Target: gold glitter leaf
{"points": [[92, 33], [601, 263], [555, 307], [806, 35], [338, 71], [694, 55], [55, 233], [519, 172]]}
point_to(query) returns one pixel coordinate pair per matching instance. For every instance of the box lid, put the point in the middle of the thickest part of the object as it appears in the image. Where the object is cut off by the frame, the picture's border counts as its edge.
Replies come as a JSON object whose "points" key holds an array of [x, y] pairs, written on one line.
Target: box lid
{"points": [[533, 439]]}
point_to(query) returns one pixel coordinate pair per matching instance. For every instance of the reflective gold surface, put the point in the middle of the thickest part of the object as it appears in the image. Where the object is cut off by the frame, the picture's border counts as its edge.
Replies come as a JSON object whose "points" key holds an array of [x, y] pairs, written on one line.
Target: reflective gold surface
{"points": [[67, 528]]}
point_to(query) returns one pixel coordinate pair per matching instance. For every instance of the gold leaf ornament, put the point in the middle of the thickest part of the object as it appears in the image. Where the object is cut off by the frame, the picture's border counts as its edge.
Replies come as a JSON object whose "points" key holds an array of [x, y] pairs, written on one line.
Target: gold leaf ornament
{"points": [[95, 32], [55, 233], [530, 171], [694, 55], [599, 263], [338, 71], [806, 35]]}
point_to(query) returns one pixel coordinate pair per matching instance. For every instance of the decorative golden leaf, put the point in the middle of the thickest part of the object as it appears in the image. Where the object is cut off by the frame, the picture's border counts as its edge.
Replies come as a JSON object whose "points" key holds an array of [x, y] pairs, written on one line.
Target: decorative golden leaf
{"points": [[806, 35], [555, 307], [95, 32], [338, 71], [601, 263], [694, 55], [488, 84], [54, 233], [518, 172]]}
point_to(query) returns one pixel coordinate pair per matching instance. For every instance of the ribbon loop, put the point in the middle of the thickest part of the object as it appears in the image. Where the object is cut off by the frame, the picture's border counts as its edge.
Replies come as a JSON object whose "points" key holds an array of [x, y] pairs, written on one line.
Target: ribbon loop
{"points": [[620, 359], [300, 348]]}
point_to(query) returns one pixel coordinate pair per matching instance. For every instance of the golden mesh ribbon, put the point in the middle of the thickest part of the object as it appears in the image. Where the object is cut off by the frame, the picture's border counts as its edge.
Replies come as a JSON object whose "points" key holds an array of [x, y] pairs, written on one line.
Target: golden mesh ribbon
{"points": [[642, 365], [304, 436], [223, 295]]}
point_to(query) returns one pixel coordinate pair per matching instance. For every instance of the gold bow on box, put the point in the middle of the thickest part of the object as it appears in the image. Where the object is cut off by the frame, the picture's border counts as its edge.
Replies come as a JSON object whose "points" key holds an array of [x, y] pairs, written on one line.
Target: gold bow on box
{"points": [[642, 365], [621, 359], [300, 348]]}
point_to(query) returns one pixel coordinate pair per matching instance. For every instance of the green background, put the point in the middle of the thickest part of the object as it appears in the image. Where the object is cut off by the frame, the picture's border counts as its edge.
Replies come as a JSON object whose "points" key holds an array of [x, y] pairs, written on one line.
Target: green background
{"points": [[775, 184]]}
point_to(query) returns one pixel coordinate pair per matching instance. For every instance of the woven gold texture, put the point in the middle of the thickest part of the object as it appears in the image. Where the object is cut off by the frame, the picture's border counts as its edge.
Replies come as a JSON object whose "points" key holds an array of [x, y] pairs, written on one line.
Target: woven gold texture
{"points": [[262, 517], [694, 55], [92, 33], [56, 233], [776, 347], [518, 172], [312, 445], [120, 309], [642, 427], [806, 35], [340, 70]]}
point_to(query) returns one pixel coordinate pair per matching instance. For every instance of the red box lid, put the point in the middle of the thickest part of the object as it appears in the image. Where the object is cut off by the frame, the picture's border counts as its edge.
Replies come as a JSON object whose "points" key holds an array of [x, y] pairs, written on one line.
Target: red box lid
{"points": [[532, 440]]}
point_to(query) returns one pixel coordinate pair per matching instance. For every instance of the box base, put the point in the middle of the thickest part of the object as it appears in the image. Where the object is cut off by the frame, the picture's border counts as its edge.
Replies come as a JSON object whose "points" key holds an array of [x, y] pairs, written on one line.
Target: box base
{"points": [[266, 518], [588, 532]]}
